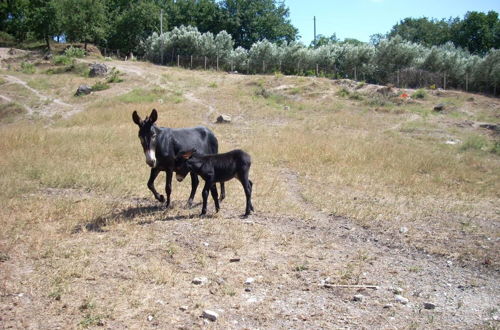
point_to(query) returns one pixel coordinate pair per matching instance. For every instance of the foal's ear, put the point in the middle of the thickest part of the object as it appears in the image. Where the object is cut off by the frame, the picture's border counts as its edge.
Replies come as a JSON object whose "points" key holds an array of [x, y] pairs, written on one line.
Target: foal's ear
{"points": [[153, 116], [136, 118]]}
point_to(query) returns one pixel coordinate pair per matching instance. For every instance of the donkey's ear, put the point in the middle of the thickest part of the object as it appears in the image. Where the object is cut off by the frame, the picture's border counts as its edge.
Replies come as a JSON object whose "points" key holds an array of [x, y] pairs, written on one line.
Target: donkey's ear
{"points": [[136, 118], [153, 116]]}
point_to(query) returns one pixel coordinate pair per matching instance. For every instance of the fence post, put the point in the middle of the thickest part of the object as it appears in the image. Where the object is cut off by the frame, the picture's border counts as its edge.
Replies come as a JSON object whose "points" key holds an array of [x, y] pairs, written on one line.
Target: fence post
{"points": [[178, 59], [280, 65], [355, 74], [217, 62], [466, 82], [191, 61], [317, 70], [444, 80], [205, 62], [397, 78]]}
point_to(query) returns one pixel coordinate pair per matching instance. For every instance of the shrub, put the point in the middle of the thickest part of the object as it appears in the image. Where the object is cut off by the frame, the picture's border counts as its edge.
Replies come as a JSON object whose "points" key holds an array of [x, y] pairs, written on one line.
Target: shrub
{"points": [[419, 94], [343, 92], [63, 60], [27, 67], [496, 148], [99, 86], [114, 76], [74, 52]]}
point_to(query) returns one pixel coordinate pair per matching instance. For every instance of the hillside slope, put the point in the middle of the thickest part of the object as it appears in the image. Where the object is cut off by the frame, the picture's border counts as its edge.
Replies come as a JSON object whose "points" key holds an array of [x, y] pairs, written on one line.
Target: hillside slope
{"points": [[355, 186]]}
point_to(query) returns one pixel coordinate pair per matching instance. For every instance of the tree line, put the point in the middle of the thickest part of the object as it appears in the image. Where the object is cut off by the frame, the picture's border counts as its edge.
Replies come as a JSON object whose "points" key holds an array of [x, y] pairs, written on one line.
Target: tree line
{"points": [[122, 24], [395, 60]]}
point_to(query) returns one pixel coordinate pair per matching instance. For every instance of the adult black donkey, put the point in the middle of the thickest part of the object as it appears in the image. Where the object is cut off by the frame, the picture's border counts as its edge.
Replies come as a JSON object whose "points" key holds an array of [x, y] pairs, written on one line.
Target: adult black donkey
{"points": [[162, 144]]}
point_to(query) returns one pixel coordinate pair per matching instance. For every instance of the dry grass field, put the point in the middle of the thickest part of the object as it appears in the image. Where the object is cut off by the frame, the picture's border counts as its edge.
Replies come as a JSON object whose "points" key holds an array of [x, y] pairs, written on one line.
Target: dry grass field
{"points": [[352, 188]]}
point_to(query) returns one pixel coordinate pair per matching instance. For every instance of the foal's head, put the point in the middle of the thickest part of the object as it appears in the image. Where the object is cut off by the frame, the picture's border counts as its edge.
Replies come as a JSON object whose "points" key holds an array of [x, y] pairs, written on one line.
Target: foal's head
{"points": [[147, 135]]}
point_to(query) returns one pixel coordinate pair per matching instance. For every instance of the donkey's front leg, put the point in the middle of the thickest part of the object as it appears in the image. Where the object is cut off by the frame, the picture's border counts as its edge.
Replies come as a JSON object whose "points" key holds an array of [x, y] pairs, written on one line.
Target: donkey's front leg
{"points": [[151, 185], [168, 186]]}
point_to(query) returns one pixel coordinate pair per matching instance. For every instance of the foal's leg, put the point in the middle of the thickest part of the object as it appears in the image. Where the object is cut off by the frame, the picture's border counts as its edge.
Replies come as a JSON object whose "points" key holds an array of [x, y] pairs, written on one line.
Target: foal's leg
{"points": [[168, 186], [151, 184], [222, 191], [213, 190], [247, 187], [194, 185], [204, 194]]}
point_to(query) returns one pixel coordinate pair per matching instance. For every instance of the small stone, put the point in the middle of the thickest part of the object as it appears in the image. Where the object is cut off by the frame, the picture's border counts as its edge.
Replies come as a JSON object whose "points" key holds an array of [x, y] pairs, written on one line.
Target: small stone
{"points": [[397, 290], [150, 318], [210, 315], [199, 280], [286, 108], [234, 259], [439, 107], [83, 90], [403, 230], [248, 289], [387, 306], [183, 308], [205, 244], [429, 305], [223, 119], [358, 297], [249, 280], [401, 299]]}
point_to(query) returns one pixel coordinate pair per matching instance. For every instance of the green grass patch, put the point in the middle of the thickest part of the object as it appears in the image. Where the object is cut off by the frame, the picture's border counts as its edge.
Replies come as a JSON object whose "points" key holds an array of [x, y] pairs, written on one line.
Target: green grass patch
{"points": [[475, 142], [343, 92], [140, 95], [99, 86], [62, 60], [28, 68]]}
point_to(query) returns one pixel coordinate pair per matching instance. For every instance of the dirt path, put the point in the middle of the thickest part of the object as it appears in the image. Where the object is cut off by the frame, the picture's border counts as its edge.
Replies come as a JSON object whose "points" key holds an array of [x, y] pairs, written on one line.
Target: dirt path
{"points": [[461, 294]]}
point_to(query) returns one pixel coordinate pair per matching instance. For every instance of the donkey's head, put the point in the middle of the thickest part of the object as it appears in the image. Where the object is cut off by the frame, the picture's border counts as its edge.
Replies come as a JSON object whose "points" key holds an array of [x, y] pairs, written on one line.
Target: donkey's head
{"points": [[147, 135]]}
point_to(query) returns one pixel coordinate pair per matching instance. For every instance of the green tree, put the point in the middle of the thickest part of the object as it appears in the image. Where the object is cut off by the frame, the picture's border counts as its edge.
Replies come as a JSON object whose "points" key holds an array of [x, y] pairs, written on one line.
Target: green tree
{"points": [[83, 20], [13, 18], [322, 40], [42, 19], [477, 32], [133, 24], [428, 32], [249, 21], [205, 15]]}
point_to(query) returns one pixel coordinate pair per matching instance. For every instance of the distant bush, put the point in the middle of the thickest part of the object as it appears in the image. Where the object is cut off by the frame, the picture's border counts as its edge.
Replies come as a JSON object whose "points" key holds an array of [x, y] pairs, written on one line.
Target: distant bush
{"points": [[496, 148], [62, 60], [99, 86], [419, 94], [74, 52], [356, 96], [28, 68]]}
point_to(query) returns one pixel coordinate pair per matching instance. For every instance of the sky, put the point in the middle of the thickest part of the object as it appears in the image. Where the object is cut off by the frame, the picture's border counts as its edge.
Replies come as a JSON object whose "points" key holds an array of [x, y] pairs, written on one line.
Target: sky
{"points": [[361, 18]]}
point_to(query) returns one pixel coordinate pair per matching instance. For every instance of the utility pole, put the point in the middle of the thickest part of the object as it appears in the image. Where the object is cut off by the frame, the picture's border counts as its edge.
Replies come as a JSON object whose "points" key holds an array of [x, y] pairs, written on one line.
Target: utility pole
{"points": [[314, 31], [161, 36]]}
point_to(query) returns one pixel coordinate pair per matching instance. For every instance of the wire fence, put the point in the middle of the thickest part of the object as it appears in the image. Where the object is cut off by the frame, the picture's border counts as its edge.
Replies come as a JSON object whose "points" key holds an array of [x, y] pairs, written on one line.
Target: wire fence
{"points": [[404, 78]]}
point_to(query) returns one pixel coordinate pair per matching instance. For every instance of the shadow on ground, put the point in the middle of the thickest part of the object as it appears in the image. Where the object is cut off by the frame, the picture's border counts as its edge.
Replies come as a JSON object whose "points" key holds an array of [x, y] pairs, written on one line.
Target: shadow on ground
{"points": [[130, 213]]}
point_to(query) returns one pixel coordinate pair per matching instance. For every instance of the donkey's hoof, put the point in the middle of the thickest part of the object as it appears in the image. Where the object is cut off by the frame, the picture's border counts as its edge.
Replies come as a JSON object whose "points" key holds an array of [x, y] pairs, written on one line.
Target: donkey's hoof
{"points": [[161, 199]]}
